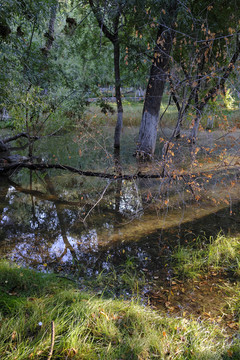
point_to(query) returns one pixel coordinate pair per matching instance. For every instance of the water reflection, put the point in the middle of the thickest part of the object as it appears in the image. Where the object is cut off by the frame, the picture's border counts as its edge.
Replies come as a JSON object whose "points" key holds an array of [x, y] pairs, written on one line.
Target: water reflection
{"points": [[41, 225]]}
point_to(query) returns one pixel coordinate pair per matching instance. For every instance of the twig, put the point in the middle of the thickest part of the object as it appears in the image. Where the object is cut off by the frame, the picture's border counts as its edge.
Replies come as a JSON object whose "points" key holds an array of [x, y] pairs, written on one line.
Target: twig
{"points": [[52, 340], [105, 189]]}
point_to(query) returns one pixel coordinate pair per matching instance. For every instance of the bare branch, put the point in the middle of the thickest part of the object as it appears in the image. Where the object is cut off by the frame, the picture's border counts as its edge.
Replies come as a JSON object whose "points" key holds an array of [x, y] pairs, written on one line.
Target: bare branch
{"points": [[4, 168], [105, 189]]}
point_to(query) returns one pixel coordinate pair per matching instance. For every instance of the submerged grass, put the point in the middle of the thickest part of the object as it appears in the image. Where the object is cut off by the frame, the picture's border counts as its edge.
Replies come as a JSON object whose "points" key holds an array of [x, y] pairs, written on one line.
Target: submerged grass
{"points": [[216, 254], [91, 327], [125, 281]]}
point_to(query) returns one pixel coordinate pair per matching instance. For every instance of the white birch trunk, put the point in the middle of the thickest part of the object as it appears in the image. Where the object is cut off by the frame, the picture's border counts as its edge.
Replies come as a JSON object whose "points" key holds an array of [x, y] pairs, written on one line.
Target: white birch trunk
{"points": [[148, 134], [118, 129]]}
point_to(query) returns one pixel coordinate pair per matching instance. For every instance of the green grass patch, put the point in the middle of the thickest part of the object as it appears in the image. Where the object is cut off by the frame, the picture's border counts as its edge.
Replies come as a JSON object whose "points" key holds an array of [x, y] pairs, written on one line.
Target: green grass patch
{"points": [[221, 254], [91, 327]]}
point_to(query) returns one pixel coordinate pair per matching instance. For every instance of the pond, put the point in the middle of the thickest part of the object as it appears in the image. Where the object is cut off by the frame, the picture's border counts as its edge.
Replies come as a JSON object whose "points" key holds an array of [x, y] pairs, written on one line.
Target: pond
{"points": [[92, 228]]}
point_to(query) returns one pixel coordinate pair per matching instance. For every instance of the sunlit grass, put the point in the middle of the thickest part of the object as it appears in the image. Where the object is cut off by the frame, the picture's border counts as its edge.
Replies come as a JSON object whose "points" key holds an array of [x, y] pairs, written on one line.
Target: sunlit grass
{"points": [[220, 117], [216, 254], [91, 327], [132, 113]]}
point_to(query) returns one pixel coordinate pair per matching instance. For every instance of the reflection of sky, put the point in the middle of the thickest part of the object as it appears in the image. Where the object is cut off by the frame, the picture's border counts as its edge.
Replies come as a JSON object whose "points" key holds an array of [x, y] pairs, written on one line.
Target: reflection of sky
{"points": [[10, 194], [5, 218], [31, 250]]}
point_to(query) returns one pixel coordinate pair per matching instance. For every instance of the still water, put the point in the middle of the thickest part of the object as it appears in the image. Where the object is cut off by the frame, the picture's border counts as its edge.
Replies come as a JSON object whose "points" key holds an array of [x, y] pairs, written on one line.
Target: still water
{"points": [[81, 226]]}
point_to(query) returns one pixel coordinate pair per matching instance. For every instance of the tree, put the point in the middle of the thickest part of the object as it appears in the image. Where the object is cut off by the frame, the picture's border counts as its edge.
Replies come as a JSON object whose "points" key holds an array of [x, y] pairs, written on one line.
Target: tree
{"points": [[198, 35], [204, 55], [157, 81], [110, 28]]}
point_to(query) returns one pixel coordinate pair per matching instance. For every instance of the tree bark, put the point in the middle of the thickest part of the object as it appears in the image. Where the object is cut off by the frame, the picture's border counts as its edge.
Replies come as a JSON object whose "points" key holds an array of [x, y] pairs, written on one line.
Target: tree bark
{"points": [[154, 93], [119, 124], [50, 33]]}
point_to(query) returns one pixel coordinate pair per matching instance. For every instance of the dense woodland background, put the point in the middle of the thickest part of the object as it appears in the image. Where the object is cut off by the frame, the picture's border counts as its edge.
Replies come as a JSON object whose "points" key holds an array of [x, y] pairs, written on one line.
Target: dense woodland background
{"points": [[57, 57]]}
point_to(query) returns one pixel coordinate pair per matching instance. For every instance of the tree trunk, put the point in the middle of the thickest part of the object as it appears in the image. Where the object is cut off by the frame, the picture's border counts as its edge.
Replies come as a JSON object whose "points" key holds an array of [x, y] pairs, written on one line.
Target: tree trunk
{"points": [[119, 123], [154, 93], [114, 38], [50, 33], [194, 130], [4, 114], [3, 147]]}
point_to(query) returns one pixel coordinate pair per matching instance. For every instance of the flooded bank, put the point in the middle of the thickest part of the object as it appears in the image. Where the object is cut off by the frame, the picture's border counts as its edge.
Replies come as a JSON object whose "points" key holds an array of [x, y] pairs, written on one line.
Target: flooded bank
{"points": [[121, 235]]}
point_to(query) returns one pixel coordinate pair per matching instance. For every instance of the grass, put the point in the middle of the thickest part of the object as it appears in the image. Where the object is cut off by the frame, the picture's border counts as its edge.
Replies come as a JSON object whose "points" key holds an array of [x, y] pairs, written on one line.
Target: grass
{"points": [[221, 254], [221, 116], [132, 113], [91, 327], [124, 281]]}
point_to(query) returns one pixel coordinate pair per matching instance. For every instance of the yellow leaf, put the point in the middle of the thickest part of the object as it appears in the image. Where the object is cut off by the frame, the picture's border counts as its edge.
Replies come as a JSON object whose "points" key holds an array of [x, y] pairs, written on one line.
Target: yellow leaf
{"points": [[103, 313]]}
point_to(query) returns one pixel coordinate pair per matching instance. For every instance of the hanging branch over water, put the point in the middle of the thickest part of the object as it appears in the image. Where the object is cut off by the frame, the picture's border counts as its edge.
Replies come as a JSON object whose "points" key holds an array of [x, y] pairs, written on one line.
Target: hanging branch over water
{"points": [[43, 166], [6, 168]]}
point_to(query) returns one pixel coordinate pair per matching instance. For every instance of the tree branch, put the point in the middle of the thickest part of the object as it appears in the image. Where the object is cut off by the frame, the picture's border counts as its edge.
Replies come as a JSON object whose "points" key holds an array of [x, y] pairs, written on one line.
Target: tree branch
{"points": [[25, 135], [213, 92], [15, 137], [4, 168], [101, 24]]}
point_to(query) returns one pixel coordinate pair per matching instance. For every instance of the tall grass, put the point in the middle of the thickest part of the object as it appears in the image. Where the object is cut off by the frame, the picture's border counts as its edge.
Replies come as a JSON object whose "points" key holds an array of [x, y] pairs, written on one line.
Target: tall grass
{"points": [[219, 115], [91, 327]]}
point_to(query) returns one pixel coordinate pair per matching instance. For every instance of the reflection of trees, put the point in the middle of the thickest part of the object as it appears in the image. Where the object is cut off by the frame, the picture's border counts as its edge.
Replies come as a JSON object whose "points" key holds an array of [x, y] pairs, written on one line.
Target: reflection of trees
{"points": [[61, 219], [41, 219], [107, 225], [127, 196], [43, 196], [118, 171], [3, 193]]}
